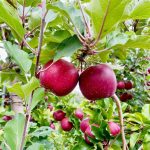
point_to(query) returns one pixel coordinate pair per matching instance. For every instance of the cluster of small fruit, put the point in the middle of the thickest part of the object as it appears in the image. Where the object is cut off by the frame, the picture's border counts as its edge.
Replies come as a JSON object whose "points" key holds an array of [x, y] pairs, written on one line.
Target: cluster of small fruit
{"points": [[85, 126], [121, 85]]}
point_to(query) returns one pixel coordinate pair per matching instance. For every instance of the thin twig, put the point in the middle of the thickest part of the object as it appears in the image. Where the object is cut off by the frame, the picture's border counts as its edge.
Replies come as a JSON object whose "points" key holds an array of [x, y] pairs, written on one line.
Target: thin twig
{"points": [[28, 34], [31, 49], [85, 21], [40, 42], [116, 99], [27, 120], [28, 114], [102, 26]]}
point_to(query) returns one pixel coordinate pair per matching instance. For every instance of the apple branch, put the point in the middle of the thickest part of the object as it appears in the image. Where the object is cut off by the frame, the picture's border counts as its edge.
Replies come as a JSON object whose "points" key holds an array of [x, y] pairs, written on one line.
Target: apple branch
{"points": [[41, 34], [117, 101], [102, 26], [28, 113]]}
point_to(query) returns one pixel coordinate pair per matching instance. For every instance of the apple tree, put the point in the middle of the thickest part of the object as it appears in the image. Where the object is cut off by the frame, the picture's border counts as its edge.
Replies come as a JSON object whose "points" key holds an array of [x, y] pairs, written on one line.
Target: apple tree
{"points": [[76, 75]]}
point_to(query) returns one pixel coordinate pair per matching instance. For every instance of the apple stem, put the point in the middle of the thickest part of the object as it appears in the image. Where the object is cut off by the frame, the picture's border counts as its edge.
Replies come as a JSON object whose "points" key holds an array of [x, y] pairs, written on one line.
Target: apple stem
{"points": [[117, 101], [28, 113]]}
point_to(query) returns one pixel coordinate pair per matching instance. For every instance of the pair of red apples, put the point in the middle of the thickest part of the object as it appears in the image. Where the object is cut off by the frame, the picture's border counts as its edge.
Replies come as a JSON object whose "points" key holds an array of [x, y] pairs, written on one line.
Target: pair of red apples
{"points": [[95, 82]]}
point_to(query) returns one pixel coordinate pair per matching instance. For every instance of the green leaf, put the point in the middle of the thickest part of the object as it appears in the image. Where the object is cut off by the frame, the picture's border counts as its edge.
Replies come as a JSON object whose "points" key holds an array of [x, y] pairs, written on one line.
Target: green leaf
{"points": [[35, 18], [68, 47], [97, 10], [115, 147], [20, 57], [37, 97], [30, 86], [146, 110], [82, 146], [139, 41], [29, 2], [116, 38], [70, 12], [57, 37], [36, 146], [17, 89], [9, 15], [146, 146], [147, 138], [127, 40], [13, 131], [133, 139], [41, 132], [137, 10]]}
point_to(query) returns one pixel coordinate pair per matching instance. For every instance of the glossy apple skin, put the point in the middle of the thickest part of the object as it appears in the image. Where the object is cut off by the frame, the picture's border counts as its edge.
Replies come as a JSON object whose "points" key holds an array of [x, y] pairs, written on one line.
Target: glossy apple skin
{"points": [[66, 125], [128, 85], [114, 128], [79, 114], [98, 82], [120, 85], [84, 124], [59, 115], [60, 77]]}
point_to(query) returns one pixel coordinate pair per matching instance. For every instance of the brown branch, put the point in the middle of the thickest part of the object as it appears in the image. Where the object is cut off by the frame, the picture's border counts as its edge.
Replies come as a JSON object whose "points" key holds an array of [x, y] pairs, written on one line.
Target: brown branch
{"points": [[27, 120], [28, 114], [40, 42], [116, 99], [102, 26]]}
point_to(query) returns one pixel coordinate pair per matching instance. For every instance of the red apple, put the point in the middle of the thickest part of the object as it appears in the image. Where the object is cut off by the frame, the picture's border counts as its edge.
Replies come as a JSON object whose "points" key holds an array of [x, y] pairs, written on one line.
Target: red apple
{"points": [[52, 126], [59, 77], [130, 96], [128, 85], [79, 113], [84, 124], [120, 85], [59, 115], [98, 82], [114, 128], [50, 107], [125, 97], [7, 118], [66, 125]]}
